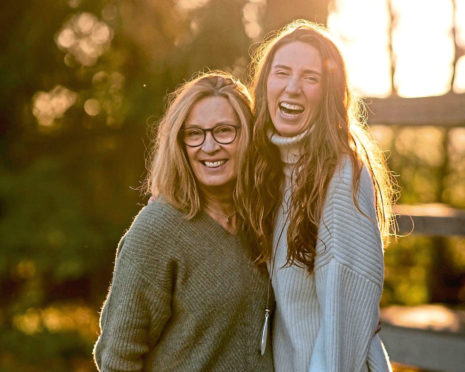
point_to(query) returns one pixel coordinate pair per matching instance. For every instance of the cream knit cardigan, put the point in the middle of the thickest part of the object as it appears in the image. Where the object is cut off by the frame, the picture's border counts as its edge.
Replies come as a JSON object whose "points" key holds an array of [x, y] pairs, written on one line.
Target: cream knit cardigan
{"points": [[326, 321]]}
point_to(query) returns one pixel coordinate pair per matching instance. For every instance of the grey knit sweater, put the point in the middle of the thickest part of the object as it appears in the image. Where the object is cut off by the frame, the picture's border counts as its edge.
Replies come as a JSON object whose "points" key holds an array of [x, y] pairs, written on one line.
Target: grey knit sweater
{"points": [[326, 321], [185, 296]]}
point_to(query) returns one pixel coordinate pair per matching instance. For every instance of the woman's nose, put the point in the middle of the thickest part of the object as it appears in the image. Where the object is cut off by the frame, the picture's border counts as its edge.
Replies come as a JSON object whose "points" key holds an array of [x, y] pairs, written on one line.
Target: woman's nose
{"points": [[293, 85], [210, 145]]}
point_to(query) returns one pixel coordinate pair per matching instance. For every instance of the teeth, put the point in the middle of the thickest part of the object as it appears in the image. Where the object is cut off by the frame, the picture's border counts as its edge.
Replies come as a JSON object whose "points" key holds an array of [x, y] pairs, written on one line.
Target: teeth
{"points": [[214, 164], [290, 106]]}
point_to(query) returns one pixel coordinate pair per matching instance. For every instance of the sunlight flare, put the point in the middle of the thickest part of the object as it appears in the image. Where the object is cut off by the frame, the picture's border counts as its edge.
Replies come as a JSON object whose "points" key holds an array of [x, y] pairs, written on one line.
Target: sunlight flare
{"points": [[423, 45]]}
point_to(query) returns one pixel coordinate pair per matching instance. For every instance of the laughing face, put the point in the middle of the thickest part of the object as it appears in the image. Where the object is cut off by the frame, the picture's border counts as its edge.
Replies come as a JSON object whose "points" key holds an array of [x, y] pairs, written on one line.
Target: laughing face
{"points": [[213, 164], [294, 87]]}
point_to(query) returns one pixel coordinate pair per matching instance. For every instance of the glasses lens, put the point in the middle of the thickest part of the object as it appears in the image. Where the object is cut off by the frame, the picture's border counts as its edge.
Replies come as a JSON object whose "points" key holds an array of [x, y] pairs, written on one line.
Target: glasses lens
{"points": [[224, 133], [193, 136]]}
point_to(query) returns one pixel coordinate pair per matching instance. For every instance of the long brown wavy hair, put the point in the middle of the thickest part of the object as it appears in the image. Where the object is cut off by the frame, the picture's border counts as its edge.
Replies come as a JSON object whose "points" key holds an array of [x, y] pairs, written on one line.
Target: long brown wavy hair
{"points": [[169, 171], [339, 131]]}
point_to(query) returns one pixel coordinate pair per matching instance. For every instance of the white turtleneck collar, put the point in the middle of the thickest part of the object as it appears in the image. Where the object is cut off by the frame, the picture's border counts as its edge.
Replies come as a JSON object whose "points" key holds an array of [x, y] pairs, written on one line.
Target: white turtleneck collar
{"points": [[291, 148]]}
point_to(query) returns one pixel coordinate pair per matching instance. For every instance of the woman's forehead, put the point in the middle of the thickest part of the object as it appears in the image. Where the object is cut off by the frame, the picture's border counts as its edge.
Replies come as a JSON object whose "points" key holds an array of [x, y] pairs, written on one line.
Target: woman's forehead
{"points": [[212, 110], [297, 54]]}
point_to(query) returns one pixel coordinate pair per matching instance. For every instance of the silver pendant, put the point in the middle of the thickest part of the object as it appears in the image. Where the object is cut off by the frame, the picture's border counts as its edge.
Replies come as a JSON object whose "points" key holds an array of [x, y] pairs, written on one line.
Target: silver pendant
{"points": [[265, 328]]}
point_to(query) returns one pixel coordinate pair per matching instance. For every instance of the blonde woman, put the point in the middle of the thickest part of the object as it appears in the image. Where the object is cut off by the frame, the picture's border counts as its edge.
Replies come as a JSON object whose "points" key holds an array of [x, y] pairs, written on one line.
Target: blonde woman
{"points": [[319, 207], [186, 295]]}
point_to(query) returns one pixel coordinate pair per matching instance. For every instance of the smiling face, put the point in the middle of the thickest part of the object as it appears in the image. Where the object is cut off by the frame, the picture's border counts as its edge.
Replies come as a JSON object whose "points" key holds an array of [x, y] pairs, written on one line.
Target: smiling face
{"points": [[294, 87], [213, 164]]}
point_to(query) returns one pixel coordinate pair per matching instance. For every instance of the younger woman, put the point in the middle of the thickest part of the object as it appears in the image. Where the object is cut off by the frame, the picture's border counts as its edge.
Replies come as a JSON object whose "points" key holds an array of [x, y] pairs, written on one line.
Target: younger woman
{"points": [[319, 206]]}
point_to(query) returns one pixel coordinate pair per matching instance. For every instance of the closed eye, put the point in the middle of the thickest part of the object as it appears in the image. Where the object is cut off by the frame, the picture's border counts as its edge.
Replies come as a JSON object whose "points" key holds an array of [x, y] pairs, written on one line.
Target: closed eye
{"points": [[281, 73], [312, 78]]}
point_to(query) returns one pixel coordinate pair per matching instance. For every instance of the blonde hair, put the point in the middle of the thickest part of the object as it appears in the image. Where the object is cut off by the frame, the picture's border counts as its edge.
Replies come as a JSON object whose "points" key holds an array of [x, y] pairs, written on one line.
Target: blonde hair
{"points": [[169, 171], [338, 131]]}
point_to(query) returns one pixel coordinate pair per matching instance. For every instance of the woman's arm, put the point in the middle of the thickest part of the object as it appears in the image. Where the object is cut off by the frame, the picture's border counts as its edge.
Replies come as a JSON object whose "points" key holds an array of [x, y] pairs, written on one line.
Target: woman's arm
{"points": [[136, 309], [349, 277]]}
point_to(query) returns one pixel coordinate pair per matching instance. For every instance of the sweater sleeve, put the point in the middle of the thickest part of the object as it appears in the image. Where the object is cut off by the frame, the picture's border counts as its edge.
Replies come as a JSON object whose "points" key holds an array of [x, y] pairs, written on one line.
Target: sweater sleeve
{"points": [[349, 278], [136, 309]]}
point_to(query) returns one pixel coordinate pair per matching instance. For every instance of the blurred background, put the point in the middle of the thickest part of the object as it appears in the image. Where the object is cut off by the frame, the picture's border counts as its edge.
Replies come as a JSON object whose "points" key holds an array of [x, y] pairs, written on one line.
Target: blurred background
{"points": [[83, 81]]}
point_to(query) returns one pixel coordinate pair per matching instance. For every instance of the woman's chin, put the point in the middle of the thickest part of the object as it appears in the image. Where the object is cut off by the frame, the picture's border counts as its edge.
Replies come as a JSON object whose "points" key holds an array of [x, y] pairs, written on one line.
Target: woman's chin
{"points": [[218, 184], [289, 129]]}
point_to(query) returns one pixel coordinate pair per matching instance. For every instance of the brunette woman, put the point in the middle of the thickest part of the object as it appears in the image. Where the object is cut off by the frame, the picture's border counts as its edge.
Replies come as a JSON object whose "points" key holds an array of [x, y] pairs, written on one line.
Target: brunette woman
{"points": [[319, 206]]}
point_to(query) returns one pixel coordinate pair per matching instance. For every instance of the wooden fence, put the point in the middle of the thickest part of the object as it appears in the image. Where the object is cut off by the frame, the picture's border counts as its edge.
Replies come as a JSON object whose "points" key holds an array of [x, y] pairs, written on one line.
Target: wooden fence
{"points": [[431, 336]]}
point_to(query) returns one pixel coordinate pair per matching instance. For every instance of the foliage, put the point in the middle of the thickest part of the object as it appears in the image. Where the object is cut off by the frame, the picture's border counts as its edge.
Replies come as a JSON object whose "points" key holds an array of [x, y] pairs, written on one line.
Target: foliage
{"points": [[429, 165]]}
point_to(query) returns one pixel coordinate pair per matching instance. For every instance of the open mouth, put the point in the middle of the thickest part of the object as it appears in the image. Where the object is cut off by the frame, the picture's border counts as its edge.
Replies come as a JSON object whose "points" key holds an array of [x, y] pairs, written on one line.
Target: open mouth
{"points": [[290, 108], [213, 164]]}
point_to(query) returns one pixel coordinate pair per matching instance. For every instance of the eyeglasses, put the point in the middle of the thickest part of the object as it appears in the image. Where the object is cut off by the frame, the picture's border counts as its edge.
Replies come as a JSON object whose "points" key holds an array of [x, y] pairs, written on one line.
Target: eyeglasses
{"points": [[224, 134]]}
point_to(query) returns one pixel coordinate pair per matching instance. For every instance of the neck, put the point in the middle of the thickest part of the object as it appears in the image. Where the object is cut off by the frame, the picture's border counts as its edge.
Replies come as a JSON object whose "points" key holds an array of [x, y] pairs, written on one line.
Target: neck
{"points": [[220, 206], [291, 148]]}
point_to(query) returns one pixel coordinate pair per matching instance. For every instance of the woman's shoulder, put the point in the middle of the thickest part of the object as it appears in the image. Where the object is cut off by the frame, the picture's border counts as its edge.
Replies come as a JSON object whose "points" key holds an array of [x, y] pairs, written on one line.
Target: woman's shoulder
{"points": [[149, 247], [159, 210], [343, 178], [154, 226]]}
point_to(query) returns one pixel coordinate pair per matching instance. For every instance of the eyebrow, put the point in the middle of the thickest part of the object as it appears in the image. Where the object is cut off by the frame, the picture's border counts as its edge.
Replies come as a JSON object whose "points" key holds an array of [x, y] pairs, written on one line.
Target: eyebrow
{"points": [[307, 71], [195, 125]]}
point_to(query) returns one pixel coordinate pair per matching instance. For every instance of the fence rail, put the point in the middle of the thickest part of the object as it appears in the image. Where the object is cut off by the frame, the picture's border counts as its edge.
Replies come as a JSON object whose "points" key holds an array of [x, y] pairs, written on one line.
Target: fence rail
{"points": [[430, 220], [434, 350], [447, 110]]}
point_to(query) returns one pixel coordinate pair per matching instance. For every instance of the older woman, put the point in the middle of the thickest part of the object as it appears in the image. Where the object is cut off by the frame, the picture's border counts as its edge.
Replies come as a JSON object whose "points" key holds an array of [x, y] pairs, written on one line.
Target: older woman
{"points": [[319, 207], [186, 295]]}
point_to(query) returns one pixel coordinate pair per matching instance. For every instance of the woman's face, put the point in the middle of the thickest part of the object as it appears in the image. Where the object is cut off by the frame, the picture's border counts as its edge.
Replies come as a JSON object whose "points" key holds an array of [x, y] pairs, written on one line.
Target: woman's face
{"points": [[213, 163], [294, 87]]}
